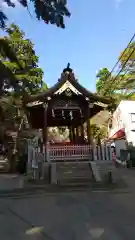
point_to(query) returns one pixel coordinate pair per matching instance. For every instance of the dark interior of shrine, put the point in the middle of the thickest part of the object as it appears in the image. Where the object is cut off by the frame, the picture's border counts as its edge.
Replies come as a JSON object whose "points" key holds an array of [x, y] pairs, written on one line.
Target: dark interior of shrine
{"points": [[63, 111]]}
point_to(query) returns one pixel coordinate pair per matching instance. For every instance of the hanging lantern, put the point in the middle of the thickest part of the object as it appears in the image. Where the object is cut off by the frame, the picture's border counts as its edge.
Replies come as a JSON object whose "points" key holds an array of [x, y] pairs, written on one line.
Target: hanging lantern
{"points": [[81, 113], [53, 114], [63, 114], [71, 115]]}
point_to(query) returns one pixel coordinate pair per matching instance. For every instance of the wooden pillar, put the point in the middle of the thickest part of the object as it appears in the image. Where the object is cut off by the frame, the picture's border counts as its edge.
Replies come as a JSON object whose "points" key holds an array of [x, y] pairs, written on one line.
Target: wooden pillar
{"points": [[88, 131], [45, 132], [88, 125], [77, 134], [70, 134], [73, 132], [82, 132], [79, 131]]}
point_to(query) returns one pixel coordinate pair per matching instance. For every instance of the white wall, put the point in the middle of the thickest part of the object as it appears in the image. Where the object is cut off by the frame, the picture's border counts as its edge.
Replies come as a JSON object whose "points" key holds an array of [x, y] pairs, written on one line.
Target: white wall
{"points": [[119, 144], [122, 119], [128, 107]]}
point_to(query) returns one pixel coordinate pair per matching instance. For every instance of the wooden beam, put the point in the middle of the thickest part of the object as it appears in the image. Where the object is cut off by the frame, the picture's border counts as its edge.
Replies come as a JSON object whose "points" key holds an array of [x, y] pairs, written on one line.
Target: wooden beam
{"points": [[67, 108]]}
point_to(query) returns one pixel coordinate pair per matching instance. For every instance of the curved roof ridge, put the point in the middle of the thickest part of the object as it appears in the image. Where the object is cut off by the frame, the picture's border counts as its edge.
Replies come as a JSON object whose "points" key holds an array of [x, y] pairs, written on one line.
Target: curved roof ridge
{"points": [[68, 75]]}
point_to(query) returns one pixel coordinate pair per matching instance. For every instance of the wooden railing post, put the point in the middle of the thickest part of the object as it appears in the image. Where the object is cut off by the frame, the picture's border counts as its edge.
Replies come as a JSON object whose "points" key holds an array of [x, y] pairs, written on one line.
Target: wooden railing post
{"points": [[103, 152], [48, 152]]}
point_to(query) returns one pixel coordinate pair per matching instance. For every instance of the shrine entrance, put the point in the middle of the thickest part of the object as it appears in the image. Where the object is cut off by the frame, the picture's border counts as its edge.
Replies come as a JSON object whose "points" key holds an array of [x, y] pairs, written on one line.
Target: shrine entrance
{"points": [[69, 104]]}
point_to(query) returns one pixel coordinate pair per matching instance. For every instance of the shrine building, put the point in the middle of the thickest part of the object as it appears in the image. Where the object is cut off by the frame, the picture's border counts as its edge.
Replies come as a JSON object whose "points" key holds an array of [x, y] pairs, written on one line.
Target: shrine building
{"points": [[67, 103]]}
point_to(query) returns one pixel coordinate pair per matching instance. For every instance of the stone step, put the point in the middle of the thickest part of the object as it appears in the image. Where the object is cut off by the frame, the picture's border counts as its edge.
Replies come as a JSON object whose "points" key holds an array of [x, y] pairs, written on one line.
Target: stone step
{"points": [[76, 174], [73, 173], [73, 170], [73, 167], [75, 181], [73, 164]]}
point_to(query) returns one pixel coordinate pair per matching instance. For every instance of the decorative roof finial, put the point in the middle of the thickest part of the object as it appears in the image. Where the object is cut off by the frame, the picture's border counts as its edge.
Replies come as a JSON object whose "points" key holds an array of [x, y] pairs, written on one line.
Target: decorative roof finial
{"points": [[68, 69], [68, 65]]}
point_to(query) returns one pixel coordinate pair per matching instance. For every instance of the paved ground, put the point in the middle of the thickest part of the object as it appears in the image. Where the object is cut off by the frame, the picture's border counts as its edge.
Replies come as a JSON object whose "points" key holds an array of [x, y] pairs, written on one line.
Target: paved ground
{"points": [[77, 215], [66, 216]]}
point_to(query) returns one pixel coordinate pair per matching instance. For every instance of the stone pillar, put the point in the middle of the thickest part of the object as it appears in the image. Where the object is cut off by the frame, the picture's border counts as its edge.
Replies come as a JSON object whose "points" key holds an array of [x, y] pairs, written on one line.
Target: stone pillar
{"points": [[54, 174]]}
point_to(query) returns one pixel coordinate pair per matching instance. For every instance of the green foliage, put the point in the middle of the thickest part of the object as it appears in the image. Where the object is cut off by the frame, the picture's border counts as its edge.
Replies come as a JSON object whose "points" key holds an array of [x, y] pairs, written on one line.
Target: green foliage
{"points": [[98, 133], [50, 11], [10, 109], [128, 53], [129, 68], [7, 75], [11, 72], [20, 76], [25, 80], [61, 130], [122, 86], [108, 84], [102, 81]]}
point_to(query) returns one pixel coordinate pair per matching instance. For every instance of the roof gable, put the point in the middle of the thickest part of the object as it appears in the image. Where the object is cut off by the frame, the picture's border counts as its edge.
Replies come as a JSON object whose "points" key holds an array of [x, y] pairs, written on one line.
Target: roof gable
{"points": [[68, 83], [67, 86]]}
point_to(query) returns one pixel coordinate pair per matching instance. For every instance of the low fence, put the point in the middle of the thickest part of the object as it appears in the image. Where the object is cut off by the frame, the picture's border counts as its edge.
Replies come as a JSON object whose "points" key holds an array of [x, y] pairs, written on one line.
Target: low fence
{"points": [[70, 153], [38, 158], [102, 152], [56, 153]]}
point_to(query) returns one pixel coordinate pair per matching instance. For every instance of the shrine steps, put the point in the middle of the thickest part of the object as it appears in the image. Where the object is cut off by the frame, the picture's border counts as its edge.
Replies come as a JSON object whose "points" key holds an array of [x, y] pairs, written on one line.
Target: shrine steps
{"points": [[74, 173]]}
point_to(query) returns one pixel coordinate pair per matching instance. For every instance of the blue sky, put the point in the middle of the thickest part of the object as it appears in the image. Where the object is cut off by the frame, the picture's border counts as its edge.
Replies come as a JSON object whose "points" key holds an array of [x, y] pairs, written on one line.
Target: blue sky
{"points": [[94, 36]]}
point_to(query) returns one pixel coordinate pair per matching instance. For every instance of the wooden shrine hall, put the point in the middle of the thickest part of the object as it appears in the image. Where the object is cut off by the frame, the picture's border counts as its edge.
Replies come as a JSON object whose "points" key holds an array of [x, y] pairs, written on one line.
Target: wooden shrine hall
{"points": [[67, 103]]}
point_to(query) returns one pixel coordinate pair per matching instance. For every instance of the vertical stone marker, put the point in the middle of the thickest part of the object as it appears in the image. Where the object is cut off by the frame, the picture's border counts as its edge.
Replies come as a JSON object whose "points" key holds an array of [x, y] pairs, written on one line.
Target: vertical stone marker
{"points": [[96, 171]]}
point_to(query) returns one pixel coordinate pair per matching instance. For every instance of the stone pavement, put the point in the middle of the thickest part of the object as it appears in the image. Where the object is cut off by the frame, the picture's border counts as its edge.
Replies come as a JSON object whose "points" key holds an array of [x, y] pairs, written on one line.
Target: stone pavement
{"points": [[68, 216], [16, 183], [128, 175]]}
